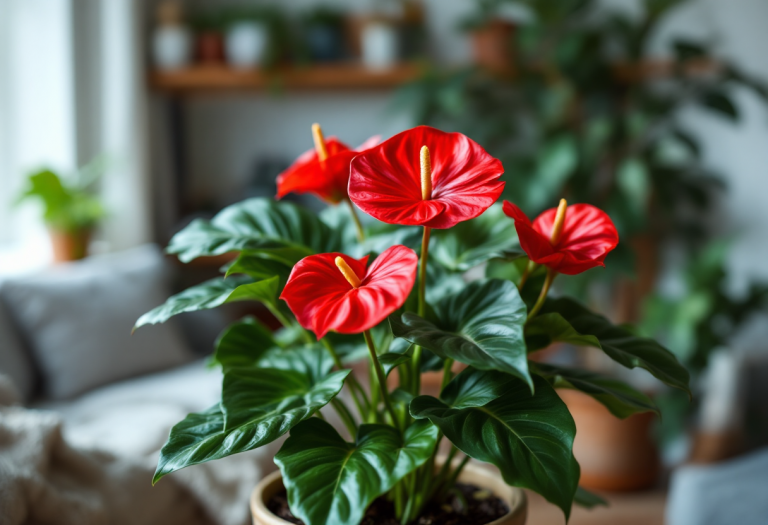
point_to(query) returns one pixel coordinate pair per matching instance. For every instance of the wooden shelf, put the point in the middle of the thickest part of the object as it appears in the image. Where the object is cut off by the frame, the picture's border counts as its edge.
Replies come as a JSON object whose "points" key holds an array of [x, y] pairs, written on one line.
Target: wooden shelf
{"points": [[320, 77]]}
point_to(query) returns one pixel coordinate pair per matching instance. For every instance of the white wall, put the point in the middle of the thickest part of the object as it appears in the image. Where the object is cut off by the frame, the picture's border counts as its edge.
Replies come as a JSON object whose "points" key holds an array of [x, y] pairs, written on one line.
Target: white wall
{"points": [[226, 135]]}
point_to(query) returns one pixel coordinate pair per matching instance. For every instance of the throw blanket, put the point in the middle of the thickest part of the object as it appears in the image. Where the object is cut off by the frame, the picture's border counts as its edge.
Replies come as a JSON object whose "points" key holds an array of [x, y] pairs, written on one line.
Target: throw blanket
{"points": [[45, 481]]}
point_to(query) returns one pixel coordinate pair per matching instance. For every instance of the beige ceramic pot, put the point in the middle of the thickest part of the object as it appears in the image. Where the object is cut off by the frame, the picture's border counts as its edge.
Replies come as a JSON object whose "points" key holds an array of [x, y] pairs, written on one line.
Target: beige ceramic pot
{"points": [[472, 474]]}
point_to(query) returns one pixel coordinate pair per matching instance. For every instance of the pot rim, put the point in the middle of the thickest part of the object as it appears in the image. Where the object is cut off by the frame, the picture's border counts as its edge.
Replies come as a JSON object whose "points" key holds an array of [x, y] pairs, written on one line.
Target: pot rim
{"points": [[514, 497]]}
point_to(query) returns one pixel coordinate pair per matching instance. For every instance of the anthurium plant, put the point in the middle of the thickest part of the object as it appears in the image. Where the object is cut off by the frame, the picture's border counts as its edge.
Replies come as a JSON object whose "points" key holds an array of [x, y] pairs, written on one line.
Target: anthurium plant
{"points": [[396, 291]]}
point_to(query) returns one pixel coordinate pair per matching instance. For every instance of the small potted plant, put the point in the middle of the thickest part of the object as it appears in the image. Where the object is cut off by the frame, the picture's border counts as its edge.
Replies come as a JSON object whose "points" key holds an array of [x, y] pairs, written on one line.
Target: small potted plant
{"points": [[323, 29], [396, 293], [72, 210]]}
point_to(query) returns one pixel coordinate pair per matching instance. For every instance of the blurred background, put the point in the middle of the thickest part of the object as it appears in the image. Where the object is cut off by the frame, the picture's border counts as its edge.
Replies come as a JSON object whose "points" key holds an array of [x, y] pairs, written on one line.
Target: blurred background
{"points": [[122, 120]]}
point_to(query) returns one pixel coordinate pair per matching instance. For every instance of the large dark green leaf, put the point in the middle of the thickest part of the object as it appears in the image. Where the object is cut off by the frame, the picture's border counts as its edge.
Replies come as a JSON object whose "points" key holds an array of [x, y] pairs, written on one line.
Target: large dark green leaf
{"points": [[211, 294], [256, 224], [331, 482], [492, 416], [243, 344], [258, 406], [261, 265], [473, 242], [618, 397], [481, 326], [545, 329], [587, 499], [619, 343]]}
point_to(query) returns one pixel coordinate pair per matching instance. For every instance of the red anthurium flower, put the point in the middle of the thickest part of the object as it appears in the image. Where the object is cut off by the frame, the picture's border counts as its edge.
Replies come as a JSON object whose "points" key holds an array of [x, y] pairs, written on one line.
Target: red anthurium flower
{"points": [[323, 170], [425, 177], [332, 291], [567, 239]]}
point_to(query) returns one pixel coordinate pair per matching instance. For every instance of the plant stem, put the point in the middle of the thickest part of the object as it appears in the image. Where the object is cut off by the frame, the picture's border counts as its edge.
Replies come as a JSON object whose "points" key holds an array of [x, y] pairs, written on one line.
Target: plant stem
{"points": [[381, 378], [551, 274], [356, 220], [447, 373], [527, 273], [346, 416], [455, 474], [422, 306], [354, 386]]}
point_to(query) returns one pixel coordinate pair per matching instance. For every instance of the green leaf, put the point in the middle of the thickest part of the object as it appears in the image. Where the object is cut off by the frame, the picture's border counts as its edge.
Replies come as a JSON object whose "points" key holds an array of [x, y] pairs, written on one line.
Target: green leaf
{"points": [[275, 401], [314, 362], [211, 294], [481, 326], [492, 416], [587, 499], [257, 224], [392, 360], [243, 344], [261, 265], [545, 329], [620, 344], [618, 397], [475, 241], [721, 103], [332, 482]]}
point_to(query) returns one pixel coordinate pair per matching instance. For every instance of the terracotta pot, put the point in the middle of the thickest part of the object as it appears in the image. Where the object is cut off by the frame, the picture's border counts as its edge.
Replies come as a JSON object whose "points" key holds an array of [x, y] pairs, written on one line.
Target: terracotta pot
{"points": [[492, 45], [69, 246], [473, 474], [614, 454]]}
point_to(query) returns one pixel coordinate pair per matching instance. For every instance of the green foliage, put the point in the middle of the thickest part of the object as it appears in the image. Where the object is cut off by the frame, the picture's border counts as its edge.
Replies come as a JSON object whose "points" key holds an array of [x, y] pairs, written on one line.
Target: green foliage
{"points": [[492, 416], [480, 326], [331, 481], [69, 206]]}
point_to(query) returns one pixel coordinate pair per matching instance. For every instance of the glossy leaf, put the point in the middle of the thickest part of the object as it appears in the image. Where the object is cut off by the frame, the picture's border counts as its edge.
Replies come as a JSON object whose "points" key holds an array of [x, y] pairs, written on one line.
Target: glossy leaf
{"points": [[258, 406], [481, 326], [545, 329], [618, 397], [261, 265], [473, 242], [619, 343], [492, 416], [205, 296], [587, 499], [256, 224], [332, 482], [243, 344]]}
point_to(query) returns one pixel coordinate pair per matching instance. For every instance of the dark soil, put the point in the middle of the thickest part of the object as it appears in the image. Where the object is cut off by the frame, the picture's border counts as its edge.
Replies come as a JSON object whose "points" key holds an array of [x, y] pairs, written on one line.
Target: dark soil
{"points": [[478, 508]]}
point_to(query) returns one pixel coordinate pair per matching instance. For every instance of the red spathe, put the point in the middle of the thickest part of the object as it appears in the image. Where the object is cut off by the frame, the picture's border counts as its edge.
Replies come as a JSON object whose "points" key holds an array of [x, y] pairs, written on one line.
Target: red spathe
{"points": [[587, 237], [322, 299], [385, 181]]}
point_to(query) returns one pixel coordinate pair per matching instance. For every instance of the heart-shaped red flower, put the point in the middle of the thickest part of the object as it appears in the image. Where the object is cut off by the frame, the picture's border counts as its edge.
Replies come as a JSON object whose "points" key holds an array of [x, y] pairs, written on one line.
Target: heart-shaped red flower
{"points": [[386, 181], [587, 235], [329, 178], [323, 299]]}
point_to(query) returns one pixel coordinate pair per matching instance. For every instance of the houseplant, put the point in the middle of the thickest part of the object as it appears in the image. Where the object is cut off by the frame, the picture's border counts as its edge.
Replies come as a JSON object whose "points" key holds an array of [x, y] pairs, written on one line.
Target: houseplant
{"points": [[433, 194], [71, 208]]}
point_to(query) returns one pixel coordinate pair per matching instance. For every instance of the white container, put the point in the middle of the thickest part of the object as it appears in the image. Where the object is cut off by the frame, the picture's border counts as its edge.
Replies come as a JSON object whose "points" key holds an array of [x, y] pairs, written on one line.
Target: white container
{"points": [[379, 45], [171, 47], [245, 44]]}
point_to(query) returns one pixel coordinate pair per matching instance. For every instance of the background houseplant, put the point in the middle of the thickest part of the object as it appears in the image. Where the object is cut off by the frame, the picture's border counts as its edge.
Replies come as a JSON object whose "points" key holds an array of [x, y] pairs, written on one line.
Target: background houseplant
{"points": [[501, 409], [71, 208], [588, 114]]}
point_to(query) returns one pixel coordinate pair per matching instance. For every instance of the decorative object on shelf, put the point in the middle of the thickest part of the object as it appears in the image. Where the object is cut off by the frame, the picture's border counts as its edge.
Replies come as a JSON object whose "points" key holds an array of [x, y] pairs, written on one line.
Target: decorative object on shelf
{"points": [[379, 43], [71, 208], [376, 295], [492, 45], [246, 43], [171, 39], [209, 38], [324, 34]]}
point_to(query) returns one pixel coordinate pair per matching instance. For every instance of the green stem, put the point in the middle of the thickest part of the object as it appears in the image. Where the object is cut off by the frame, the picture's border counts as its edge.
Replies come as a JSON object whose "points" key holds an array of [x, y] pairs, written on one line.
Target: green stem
{"points": [[354, 386], [381, 378], [422, 306], [442, 475], [529, 269], [447, 373], [456, 473], [356, 220], [551, 274], [346, 416]]}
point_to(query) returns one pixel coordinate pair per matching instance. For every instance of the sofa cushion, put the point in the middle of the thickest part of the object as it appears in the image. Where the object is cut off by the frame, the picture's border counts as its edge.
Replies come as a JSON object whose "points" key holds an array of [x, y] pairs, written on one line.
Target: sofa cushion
{"points": [[14, 361], [77, 319]]}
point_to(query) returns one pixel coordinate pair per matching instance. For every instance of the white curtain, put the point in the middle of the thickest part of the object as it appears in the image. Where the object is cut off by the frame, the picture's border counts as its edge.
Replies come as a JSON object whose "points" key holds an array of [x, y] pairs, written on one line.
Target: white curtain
{"points": [[71, 87]]}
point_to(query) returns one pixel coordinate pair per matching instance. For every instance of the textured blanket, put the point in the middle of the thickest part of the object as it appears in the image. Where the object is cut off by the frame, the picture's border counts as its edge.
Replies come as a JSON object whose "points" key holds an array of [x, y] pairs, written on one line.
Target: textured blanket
{"points": [[46, 481]]}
